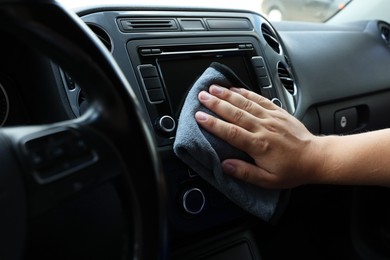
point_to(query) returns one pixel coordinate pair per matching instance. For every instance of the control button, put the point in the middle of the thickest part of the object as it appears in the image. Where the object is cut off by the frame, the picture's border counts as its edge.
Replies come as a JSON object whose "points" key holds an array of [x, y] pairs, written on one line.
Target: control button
{"points": [[156, 95], [258, 61], [264, 82], [56, 155], [266, 92], [346, 120], [166, 124], [156, 51], [193, 201], [277, 102], [261, 72], [146, 51], [152, 83], [148, 71]]}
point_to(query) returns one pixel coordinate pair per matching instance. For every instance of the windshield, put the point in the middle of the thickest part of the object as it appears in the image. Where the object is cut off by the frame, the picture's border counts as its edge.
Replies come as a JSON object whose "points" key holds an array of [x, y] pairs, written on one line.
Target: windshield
{"points": [[301, 10], [274, 10]]}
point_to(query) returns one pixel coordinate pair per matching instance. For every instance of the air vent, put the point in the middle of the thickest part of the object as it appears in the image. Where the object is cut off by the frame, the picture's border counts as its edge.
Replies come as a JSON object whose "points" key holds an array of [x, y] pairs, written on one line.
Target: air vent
{"points": [[385, 32], [270, 37], [286, 78], [102, 35], [137, 24]]}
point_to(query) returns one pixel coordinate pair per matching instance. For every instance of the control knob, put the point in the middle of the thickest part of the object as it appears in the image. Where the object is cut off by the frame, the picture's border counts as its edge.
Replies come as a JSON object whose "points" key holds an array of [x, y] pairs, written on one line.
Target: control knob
{"points": [[193, 201], [166, 124]]}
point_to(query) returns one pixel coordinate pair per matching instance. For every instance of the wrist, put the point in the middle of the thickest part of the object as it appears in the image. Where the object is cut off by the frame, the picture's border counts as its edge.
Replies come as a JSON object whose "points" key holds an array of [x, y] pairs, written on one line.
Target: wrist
{"points": [[319, 156]]}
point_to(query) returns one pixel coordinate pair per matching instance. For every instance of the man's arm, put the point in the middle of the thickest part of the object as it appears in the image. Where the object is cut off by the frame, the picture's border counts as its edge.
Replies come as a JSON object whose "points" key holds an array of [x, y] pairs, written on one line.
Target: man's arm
{"points": [[286, 154]]}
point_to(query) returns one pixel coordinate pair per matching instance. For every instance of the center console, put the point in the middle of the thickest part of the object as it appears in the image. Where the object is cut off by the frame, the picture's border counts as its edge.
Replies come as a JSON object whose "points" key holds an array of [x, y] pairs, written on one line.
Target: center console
{"points": [[162, 54], [166, 70]]}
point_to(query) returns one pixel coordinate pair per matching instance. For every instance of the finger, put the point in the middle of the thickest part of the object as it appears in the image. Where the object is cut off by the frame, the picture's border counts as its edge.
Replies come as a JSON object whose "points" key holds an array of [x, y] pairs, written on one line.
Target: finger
{"points": [[229, 112], [238, 100], [249, 173], [258, 99], [233, 134]]}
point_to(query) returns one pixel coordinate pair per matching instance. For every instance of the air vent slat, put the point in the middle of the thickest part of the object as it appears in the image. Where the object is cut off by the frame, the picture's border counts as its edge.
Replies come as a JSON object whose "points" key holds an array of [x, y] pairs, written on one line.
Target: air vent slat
{"points": [[270, 37], [132, 25], [286, 79]]}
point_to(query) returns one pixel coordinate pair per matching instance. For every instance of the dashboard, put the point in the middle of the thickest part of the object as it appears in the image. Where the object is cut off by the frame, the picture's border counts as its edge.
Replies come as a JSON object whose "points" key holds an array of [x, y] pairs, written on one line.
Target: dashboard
{"points": [[334, 78]]}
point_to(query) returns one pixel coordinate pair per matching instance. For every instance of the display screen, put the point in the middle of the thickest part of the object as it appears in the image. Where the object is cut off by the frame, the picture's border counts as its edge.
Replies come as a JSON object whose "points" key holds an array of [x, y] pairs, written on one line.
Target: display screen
{"points": [[180, 74]]}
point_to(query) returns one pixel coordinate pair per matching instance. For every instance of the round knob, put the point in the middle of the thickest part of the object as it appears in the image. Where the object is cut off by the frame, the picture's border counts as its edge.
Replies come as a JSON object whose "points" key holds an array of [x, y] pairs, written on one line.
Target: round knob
{"points": [[277, 102], [166, 124], [193, 201]]}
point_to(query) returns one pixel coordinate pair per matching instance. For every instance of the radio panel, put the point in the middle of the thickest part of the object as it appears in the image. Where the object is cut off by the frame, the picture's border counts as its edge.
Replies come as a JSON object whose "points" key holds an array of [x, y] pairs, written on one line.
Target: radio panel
{"points": [[168, 70]]}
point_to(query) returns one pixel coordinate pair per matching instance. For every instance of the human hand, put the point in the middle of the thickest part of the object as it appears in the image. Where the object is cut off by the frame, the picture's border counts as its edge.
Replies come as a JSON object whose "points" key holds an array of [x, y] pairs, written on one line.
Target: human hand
{"points": [[285, 153]]}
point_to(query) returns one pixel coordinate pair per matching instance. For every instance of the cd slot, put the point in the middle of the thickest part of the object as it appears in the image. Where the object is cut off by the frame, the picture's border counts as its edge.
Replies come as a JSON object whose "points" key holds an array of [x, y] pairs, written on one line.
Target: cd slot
{"points": [[193, 50]]}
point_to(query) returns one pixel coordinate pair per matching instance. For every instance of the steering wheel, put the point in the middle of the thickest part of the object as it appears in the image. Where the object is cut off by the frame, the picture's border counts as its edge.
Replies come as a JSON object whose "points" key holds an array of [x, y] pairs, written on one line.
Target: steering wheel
{"points": [[43, 166]]}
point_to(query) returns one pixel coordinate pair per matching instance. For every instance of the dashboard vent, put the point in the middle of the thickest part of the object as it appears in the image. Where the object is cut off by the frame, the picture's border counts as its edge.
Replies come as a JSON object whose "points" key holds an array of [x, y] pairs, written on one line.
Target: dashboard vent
{"points": [[385, 32], [286, 78], [138, 24], [102, 35], [270, 37]]}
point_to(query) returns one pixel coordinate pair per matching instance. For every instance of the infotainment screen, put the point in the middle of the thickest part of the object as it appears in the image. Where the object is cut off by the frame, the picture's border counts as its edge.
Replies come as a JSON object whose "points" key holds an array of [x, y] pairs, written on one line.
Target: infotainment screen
{"points": [[179, 74]]}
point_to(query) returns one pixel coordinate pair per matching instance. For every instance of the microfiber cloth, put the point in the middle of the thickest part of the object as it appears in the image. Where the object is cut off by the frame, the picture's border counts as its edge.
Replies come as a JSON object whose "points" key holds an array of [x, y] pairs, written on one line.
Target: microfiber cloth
{"points": [[203, 152]]}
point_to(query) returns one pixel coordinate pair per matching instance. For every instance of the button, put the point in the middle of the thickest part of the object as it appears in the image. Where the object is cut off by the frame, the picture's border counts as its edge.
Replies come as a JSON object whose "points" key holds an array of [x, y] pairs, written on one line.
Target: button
{"points": [[146, 51], [166, 124], [193, 201], [264, 81], [148, 71], [56, 155], [346, 120], [277, 102], [152, 83], [258, 61], [156, 51], [156, 95], [261, 72], [266, 92]]}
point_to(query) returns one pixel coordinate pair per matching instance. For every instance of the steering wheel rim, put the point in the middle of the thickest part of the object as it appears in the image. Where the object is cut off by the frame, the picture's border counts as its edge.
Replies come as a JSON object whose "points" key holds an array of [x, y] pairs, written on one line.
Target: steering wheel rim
{"points": [[114, 123]]}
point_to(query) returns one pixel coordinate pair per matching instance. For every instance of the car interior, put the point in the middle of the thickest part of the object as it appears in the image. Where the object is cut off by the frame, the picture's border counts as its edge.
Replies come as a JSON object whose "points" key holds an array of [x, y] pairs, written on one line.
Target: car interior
{"points": [[89, 105]]}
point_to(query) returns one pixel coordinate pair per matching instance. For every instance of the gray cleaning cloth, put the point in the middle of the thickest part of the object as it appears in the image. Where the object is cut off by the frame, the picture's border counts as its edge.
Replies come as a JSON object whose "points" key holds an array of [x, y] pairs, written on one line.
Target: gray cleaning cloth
{"points": [[203, 152]]}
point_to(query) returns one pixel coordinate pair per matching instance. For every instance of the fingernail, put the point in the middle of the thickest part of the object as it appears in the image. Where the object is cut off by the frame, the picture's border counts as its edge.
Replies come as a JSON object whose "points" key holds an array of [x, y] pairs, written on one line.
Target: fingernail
{"points": [[201, 116], [214, 89], [228, 168], [204, 96]]}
